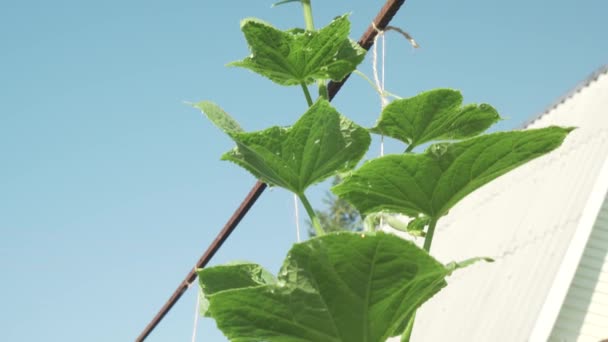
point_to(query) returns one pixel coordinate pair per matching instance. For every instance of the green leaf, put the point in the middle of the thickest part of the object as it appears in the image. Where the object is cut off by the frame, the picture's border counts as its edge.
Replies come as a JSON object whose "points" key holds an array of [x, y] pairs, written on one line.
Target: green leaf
{"points": [[231, 276], [434, 115], [219, 118], [321, 144], [432, 182], [296, 56], [341, 287]]}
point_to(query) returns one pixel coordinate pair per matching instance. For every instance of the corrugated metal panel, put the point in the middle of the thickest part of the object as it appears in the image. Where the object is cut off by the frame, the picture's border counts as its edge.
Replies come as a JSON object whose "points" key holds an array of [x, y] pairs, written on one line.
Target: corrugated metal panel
{"points": [[525, 220], [584, 315]]}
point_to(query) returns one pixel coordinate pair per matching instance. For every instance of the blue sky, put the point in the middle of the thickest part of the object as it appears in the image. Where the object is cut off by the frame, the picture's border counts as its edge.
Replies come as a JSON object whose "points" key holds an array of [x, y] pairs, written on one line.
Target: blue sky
{"points": [[111, 186]]}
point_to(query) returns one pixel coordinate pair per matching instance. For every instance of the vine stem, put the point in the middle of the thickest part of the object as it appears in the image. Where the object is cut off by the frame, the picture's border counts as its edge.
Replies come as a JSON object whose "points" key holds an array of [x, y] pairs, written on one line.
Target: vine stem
{"points": [[428, 240], [307, 7], [307, 94], [408, 330], [323, 90], [310, 26], [313, 216]]}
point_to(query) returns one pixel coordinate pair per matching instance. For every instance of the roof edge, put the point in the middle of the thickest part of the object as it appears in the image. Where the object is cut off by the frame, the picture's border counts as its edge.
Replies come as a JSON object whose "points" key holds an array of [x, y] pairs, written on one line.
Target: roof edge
{"points": [[562, 99]]}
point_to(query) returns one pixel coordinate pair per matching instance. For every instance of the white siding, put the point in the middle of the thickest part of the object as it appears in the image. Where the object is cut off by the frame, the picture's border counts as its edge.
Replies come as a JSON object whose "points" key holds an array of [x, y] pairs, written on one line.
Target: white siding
{"points": [[584, 315]]}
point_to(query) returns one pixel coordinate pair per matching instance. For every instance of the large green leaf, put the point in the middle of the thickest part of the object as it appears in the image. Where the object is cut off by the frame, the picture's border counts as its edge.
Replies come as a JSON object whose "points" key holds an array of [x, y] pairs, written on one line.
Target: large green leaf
{"points": [[432, 182], [434, 115], [321, 144], [342, 287], [296, 56]]}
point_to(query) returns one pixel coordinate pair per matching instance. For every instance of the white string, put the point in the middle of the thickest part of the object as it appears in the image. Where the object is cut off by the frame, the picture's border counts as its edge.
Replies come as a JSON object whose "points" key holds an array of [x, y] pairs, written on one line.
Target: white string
{"points": [[383, 98], [379, 80], [297, 216], [196, 314], [380, 85], [383, 58]]}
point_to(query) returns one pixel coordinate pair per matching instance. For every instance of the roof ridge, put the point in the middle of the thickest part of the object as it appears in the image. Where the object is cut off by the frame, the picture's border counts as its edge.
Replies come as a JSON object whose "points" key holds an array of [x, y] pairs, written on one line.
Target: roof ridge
{"points": [[560, 100]]}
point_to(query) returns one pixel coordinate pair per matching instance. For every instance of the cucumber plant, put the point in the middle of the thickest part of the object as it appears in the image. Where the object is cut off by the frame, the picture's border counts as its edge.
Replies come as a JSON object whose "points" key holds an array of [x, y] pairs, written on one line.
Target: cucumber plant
{"points": [[346, 286]]}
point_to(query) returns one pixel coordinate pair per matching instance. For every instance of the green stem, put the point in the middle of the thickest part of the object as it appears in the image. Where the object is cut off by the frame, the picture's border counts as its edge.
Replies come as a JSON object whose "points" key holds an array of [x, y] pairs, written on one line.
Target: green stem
{"points": [[428, 240], [307, 7], [323, 90], [307, 94], [316, 224], [409, 148], [310, 26], [407, 335]]}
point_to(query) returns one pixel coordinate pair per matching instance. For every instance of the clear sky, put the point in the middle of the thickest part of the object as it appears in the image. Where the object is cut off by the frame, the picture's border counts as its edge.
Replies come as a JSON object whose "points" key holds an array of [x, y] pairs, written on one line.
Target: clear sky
{"points": [[111, 187]]}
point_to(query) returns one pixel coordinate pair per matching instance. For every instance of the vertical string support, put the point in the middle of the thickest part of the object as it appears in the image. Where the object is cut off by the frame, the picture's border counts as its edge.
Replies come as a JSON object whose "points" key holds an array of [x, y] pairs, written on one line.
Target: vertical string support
{"points": [[379, 79], [197, 309], [379, 75], [383, 98]]}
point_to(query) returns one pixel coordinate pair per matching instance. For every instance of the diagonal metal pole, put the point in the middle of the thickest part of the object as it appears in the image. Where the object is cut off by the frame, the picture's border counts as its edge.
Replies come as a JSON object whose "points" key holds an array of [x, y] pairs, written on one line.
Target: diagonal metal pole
{"points": [[382, 20]]}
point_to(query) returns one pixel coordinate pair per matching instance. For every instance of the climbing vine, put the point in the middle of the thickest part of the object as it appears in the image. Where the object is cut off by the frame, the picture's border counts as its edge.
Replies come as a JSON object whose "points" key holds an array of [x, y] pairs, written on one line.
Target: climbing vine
{"points": [[353, 286]]}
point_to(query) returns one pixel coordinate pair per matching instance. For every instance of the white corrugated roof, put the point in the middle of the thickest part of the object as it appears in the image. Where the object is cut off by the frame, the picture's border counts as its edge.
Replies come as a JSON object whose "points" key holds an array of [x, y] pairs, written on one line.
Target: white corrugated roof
{"points": [[535, 222]]}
